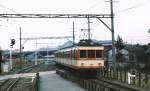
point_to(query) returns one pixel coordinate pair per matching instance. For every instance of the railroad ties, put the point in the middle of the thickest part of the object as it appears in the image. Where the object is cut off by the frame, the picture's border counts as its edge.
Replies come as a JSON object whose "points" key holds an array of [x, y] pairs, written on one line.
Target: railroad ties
{"points": [[21, 83]]}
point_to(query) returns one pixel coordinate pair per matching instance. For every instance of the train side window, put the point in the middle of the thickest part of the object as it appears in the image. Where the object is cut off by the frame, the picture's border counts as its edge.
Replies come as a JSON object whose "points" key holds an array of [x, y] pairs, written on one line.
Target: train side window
{"points": [[98, 53], [83, 54], [91, 53]]}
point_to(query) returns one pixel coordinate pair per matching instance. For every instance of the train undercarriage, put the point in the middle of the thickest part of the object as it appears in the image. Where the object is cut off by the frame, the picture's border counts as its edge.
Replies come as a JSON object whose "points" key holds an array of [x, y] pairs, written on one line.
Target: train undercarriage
{"points": [[78, 72]]}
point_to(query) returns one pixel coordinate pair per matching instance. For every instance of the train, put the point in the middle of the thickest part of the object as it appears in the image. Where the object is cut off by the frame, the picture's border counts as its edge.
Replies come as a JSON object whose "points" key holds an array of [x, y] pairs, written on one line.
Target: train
{"points": [[82, 60]]}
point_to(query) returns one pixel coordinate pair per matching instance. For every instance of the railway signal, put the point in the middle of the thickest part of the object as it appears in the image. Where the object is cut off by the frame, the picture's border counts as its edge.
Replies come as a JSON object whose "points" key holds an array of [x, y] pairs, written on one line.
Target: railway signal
{"points": [[12, 42]]}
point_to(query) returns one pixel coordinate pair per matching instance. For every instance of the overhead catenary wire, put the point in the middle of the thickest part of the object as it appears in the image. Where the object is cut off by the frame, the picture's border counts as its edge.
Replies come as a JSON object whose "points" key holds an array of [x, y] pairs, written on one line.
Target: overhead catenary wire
{"points": [[3, 6], [130, 8], [92, 6], [133, 7]]}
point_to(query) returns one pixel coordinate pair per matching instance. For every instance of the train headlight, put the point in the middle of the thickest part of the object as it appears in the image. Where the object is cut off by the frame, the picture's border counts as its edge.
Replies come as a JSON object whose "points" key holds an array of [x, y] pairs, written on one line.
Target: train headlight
{"points": [[82, 64], [99, 64]]}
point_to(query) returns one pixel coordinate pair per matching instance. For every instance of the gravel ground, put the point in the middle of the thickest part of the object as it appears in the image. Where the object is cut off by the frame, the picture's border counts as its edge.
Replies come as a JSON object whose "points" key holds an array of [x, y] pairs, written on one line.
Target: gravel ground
{"points": [[24, 84], [44, 67]]}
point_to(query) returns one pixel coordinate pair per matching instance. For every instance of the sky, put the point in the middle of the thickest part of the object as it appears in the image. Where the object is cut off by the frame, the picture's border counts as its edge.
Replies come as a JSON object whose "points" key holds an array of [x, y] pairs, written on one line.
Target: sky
{"points": [[132, 21]]}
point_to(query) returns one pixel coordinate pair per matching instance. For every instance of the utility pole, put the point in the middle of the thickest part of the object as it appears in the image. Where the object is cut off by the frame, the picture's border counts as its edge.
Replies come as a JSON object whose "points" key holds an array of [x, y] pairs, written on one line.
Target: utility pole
{"points": [[20, 51], [0, 61], [89, 30], [10, 60], [113, 37], [36, 52], [73, 35], [47, 54]]}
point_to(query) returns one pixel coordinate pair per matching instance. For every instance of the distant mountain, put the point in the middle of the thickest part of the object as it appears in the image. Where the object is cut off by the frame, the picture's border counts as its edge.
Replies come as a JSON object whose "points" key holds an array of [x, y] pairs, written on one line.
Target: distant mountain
{"points": [[93, 41], [65, 45], [105, 42], [45, 49]]}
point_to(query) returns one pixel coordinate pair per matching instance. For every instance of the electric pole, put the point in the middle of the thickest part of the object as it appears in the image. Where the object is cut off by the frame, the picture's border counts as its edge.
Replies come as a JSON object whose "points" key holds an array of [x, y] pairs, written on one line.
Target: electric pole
{"points": [[0, 61], [89, 30], [20, 51], [113, 37], [73, 35], [36, 56]]}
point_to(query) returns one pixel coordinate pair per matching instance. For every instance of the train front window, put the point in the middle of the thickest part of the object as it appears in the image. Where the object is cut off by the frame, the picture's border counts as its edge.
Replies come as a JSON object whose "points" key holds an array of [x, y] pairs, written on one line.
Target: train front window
{"points": [[91, 53], [82, 53], [98, 53]]}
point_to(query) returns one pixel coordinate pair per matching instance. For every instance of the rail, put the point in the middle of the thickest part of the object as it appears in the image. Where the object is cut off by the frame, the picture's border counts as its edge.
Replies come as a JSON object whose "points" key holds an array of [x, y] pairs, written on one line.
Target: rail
{"points": [[8, 84], [13, 83], [20, 83], [27, 69]]}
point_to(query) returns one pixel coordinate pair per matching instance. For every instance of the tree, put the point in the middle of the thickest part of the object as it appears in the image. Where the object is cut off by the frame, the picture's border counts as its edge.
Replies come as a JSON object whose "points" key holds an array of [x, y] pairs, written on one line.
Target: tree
{"points": [[119, 43]]}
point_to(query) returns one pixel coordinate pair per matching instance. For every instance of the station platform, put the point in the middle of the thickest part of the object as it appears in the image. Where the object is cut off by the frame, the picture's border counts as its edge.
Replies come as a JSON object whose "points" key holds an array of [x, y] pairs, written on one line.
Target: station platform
{"points": [[50, 81]]}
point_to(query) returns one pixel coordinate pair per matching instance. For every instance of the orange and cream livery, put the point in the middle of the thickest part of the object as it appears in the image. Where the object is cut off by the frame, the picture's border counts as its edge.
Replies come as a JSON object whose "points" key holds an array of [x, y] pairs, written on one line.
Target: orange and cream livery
{"points": [[81, 57]]}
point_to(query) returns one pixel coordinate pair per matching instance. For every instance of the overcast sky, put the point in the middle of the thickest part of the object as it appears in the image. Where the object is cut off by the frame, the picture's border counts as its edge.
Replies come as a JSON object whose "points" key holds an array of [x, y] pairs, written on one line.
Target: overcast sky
{"points": [[132, 21]]}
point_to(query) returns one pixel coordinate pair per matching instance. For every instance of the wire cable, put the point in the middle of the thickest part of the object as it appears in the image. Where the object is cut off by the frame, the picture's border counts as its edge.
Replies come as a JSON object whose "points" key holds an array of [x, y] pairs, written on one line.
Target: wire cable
{"points": [[133, 7], [92, 6], [8, 8]]}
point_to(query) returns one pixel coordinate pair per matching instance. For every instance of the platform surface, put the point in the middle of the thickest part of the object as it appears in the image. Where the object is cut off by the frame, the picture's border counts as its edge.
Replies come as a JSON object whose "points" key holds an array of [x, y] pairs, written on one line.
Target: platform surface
{"points": [[50, 81]]}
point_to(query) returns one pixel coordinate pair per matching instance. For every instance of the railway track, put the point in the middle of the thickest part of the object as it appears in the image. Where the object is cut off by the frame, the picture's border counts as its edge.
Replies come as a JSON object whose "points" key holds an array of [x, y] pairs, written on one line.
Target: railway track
{"points": [[21, 83], [8, 84], [38, 68]]}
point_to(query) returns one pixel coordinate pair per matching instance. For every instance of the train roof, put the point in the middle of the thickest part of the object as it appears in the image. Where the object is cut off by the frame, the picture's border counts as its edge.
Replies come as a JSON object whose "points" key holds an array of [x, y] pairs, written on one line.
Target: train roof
{"points": [[81, 47]]}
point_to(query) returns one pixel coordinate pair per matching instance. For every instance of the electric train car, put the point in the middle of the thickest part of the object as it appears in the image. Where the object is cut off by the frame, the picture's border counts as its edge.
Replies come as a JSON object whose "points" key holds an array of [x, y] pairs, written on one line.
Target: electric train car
{"points": [[81, 57]]}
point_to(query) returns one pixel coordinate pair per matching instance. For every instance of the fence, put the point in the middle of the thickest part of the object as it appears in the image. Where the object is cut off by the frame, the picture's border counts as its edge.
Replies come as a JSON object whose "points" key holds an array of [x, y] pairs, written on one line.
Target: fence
{"points": [[36, 82], [135, 78]]}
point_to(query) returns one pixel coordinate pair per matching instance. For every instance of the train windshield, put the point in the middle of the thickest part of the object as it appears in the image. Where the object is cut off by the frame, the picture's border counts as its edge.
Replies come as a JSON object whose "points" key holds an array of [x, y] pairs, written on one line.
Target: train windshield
{"points": [[98, 53], [90, 53], [83, 54]]}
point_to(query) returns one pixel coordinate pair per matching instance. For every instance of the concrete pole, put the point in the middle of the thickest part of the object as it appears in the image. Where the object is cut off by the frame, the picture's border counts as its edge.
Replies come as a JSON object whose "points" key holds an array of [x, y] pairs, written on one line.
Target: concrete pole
{"points": [[113, 37], [20, 51], [73, 35], [0, 60], [10, 60], [36, 52], [89, 30], [47, 53]]}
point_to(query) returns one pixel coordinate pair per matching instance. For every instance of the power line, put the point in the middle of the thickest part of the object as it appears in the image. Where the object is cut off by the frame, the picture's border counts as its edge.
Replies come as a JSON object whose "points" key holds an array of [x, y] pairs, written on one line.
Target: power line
{"points": [[130, 8], [3, 6], [92, 6], [133, 7]]}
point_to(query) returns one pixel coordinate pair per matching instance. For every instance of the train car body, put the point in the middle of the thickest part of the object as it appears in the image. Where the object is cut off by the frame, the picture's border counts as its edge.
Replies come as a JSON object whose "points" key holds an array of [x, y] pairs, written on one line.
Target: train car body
{"points": [[81, 57], [84, 60]]}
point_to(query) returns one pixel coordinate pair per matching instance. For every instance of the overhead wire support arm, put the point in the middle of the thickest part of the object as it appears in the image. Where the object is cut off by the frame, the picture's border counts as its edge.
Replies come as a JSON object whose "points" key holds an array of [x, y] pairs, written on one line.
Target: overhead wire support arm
{"points": [[35, 38], [104, 24], [55, 16]]}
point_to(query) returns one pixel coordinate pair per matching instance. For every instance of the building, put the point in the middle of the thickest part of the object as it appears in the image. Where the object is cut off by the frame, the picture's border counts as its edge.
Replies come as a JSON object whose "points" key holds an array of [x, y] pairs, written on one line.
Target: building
{"points": [[125, 58]]}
